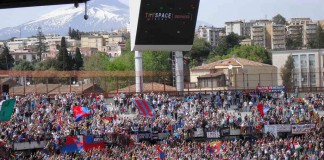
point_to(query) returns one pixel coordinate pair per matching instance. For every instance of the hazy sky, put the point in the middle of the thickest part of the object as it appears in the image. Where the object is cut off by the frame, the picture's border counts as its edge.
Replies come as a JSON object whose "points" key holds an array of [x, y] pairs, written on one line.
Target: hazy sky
{"points": [[214, 12]]}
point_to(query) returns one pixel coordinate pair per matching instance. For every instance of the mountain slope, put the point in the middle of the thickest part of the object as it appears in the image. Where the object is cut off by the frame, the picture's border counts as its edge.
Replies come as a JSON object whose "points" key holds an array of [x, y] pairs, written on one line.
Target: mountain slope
{"points": [[104, 15]]}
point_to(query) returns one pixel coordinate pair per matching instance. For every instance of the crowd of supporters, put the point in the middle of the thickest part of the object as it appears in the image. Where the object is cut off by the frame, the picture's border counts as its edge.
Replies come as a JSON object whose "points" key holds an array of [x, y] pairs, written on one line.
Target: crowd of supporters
{"points": [[39, 117]]}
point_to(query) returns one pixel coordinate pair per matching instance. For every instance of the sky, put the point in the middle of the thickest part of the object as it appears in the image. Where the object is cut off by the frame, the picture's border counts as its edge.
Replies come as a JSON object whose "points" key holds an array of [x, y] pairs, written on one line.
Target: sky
{"points": [[213, 12]]}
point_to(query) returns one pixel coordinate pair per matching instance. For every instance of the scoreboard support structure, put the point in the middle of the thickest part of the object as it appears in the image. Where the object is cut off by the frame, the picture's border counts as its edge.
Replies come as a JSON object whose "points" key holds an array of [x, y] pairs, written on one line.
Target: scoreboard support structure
{"points": [[162, 25], [139, 71], [179, 71]]}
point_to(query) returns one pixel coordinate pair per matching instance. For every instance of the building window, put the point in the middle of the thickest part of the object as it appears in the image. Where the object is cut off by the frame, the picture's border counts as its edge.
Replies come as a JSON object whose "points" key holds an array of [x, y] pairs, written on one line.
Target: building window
{"points": [[24, 57]]}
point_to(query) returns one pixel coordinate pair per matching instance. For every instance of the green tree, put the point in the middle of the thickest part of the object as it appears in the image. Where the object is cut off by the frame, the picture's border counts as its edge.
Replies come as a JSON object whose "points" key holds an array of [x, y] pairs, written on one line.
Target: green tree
{"points": [[78, 60], [254, 53], [294, 42], [97, 62], [48, 64], [6, 59], [287, 73], [279, 19], [64, 58], [24, 66], [225, 45], [200, 50], [41, 46], [318, 42]]}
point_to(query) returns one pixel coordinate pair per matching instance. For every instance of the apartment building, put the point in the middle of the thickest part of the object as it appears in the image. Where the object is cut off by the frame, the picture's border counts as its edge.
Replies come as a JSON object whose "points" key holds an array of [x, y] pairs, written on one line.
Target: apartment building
{"points": [[309, 66], [234, 27], [303, 27], [258, 35], [210, 34], [91, 41], [309, 33], [275, 36]]}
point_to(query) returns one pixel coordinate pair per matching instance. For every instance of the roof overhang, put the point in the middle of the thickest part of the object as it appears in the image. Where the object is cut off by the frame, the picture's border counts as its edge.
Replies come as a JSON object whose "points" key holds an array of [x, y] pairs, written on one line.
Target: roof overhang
{"points": [[30, 3]]}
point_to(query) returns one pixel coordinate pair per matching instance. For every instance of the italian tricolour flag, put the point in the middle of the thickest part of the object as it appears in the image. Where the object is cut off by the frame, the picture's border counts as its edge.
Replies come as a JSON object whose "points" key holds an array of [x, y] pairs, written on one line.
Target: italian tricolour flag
{"points": [[297, 146]]}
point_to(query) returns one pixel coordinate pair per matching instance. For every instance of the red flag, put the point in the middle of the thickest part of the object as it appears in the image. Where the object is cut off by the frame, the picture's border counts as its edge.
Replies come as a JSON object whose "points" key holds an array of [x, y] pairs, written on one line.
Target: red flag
{"points": [[158, 148], [59, 117], [260, 109]]}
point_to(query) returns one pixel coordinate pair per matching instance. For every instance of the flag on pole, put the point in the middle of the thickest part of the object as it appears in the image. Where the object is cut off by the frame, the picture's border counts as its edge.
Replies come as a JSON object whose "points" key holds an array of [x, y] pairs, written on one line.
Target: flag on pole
{"points": [[260, 109], [6, 108], [80, 112], [144, 108]]}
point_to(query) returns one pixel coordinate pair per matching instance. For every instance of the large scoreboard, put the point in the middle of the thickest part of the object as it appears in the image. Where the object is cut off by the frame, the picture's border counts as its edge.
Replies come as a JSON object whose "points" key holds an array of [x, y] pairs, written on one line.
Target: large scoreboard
{"points": [[167, 25]]}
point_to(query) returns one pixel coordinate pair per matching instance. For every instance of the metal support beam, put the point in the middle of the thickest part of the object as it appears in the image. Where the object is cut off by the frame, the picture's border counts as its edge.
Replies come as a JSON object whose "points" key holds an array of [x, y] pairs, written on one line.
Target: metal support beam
{"points": [[179, 71], [139, 72]]}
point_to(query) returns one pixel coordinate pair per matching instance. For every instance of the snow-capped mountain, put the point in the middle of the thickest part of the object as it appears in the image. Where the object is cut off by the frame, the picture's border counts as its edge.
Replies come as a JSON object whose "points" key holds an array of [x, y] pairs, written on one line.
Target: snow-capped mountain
{"points": [[104, 15]]}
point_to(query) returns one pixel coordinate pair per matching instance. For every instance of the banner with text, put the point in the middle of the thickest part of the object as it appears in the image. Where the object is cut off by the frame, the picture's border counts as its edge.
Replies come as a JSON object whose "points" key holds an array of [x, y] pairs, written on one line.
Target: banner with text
{"points": [[302, 128], [272, 129]]}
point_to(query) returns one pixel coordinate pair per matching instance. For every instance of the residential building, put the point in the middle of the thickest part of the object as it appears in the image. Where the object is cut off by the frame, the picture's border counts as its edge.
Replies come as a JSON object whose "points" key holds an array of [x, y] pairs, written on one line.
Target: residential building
{"points": [[308, 64], [87, 51], [113, 50], [233, 73], [210, 34], [236, 27], [299, 21], [275, 36], [246, 42], [114, 38], [24, 55], [302, 27], [258, 35], [309, 33], [91, 41], [321, 23], [247, 28]]}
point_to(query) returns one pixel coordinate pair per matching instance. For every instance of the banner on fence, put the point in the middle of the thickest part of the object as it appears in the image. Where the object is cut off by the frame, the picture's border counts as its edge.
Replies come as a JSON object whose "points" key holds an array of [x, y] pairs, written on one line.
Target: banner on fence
{"points": [[271, 89], [302, 128], [226, 131], [199, 133], [214, 134], [283, 128], [272, 129]]}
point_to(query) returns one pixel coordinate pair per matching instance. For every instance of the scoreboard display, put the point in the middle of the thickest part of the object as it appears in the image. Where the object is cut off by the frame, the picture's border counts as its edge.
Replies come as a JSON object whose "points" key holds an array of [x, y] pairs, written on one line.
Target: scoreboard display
{"points": [[166, 22]]}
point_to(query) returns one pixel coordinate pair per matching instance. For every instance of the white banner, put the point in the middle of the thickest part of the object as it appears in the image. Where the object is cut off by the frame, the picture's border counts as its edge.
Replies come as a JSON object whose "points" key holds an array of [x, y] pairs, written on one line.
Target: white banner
{"points": [[214, 134], [302, 128], [272, 129], [199, 133], [283, 127]]}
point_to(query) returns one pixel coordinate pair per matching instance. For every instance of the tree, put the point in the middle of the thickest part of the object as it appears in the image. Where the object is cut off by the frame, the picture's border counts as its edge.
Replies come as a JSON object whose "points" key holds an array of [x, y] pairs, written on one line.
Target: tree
{"points": [[24, 66], [225, 44], [6, 60], [48, 64], [279, 19], [41, 46], [294, 42], [200, 50], [78, 60], [287, 73], [64, 58], [318, 42], [253, 53]]}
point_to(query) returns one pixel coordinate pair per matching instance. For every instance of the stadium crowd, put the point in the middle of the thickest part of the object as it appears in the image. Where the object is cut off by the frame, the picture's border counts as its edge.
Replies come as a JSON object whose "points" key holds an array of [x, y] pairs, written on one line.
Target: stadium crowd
{"points": [[39, 117]]}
